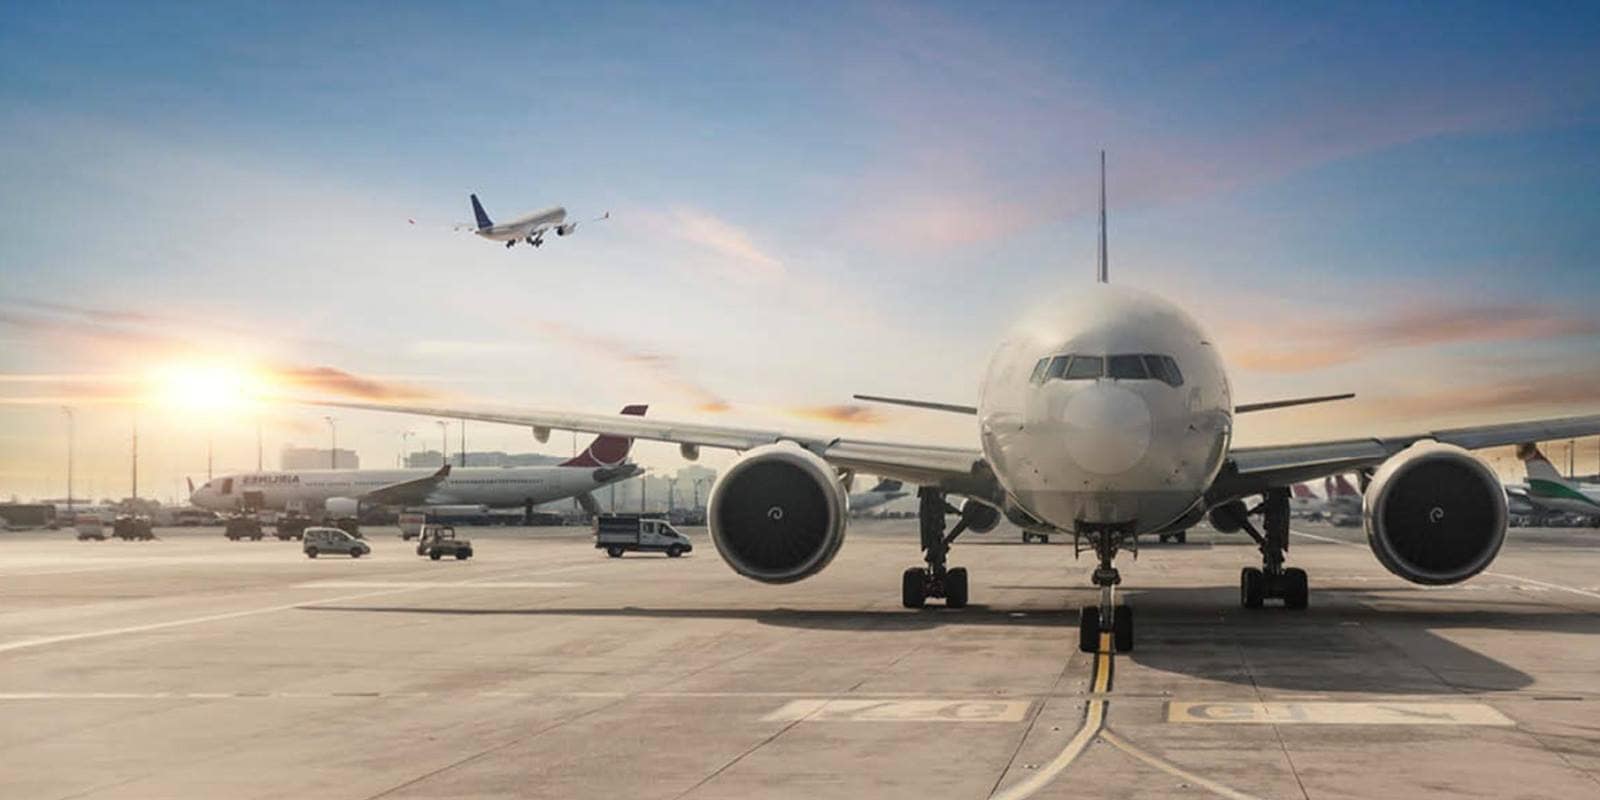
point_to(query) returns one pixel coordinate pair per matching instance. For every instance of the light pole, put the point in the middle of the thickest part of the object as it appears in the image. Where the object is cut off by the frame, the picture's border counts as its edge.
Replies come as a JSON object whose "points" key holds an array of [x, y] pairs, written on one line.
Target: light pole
{"points": [[135, 463], [209, 451], [71, 431], [463, 443], [333, 442], [404, 435], [697, 482], [672, 494], [258, 444], [444, 441]]}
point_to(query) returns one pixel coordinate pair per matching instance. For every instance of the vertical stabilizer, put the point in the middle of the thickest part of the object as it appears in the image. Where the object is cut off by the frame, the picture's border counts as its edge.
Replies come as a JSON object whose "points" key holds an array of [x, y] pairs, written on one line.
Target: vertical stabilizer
{"points": [[483, 218], [1538, 467], [607, 450], [1102, 274]]}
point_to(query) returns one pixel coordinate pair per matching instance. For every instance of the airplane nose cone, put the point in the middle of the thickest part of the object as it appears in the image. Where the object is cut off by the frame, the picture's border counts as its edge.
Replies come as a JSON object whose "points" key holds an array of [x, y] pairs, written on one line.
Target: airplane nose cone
{"points": [[1108, 429]]}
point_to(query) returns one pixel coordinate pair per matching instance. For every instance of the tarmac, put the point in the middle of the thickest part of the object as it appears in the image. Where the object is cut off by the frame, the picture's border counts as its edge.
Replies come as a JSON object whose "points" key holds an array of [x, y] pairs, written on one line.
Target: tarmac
{"points": [[195, 667]]}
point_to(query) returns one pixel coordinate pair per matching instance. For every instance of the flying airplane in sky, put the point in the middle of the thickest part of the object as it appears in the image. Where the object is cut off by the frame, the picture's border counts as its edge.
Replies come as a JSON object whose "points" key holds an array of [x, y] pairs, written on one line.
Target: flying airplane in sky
{"points": [[344, 492], [530, 228], [1105, 415], [1547, 491], [887, 489]]}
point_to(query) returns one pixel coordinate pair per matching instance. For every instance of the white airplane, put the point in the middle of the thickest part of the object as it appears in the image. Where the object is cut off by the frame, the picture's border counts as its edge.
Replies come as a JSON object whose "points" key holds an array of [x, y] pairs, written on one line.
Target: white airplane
{"points": [[1104, 416], [886, 490], [530, 228], [343, 493], [1547, 491]]}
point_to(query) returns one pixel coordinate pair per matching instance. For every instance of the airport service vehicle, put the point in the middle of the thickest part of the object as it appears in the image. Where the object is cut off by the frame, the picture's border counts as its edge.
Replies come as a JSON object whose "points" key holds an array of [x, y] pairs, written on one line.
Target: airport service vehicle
{"points": [[336, 494], [529, 228], [320, 540], [1104, 415], [438, 541], [291, 525], [90, 527], [1180, 537], [411, 525], [27, 516], [1029, 537], [193, 517], [242, 526], [620, 533], [133, 528]]}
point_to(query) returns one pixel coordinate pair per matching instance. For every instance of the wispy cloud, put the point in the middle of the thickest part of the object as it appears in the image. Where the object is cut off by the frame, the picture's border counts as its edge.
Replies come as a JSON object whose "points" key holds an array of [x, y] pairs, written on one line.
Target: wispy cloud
{"points": [[723, 246], [660, 368], [849, 414], [1305, 343]]}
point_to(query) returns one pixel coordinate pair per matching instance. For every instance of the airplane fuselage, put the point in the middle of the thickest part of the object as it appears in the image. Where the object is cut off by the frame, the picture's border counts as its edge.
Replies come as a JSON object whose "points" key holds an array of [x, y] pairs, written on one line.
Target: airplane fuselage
{"points": [[496, 487], [523, 227], [1127, 443]]}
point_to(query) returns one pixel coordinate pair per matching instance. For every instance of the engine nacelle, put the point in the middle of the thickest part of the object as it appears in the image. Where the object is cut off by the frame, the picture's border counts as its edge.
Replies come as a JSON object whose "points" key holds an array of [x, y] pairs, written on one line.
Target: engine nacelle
{"points": [[778, 514], [690, 452], [1230, 516], [980, 518], [1435, 514], [340, 507], [563, 230], [541, 434]]}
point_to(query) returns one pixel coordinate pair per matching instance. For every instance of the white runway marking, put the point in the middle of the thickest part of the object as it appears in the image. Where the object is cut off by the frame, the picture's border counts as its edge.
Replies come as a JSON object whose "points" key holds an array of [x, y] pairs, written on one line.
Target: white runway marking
{"points": [[1556, 586], [438, 585], [177, 623], [853, 710], [1173, 769], [1336, 714]]}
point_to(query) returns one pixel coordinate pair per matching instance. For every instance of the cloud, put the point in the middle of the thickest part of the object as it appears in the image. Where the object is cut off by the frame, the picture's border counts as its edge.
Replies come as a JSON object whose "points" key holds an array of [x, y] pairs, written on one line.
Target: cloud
{"points": [[1304, 344], [659, 367], [343, 384], [733, 251], [849, 414]]}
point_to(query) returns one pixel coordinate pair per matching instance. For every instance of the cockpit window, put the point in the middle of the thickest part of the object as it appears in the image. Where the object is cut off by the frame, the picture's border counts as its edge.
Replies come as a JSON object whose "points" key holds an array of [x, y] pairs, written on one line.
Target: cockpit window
{"points": [[1058, 367], [1085, 368], [1126, 368], [1038, 370], [1174, 375]]}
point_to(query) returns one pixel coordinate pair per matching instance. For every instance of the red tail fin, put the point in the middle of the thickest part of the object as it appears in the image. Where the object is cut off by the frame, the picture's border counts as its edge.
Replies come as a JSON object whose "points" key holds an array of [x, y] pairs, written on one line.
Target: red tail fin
{"points": [[606, 450], [1345, 488], [1302, 491]]}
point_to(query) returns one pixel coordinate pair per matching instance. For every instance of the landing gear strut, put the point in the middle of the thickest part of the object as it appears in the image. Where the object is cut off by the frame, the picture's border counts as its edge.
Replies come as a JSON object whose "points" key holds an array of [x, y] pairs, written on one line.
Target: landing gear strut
{"points": [[1108, 617], [535, 240], [1272, 580], [918, 584]]}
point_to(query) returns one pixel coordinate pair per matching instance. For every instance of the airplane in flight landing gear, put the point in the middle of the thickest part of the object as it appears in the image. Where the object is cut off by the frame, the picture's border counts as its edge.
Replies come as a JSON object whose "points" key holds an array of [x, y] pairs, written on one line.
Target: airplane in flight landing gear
{"points": [[1106, 414]]}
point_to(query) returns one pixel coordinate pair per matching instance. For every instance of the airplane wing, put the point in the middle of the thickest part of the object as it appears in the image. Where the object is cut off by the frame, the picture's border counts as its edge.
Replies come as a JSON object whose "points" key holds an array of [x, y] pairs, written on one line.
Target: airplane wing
{"points": [[958, 470], [407, 492], [1250, 470]]}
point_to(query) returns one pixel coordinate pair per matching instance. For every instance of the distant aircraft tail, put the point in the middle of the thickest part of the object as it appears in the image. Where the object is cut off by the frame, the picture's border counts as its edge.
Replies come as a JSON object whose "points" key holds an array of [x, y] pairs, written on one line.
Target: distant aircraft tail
{"points": [[886, 486], [1303, 492], [483, 218], [606, 450], [1537, 466], [1343, 487]]}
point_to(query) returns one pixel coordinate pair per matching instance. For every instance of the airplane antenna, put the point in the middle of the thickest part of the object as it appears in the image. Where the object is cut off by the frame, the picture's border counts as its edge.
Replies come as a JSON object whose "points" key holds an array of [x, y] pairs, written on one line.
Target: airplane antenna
{"points": [[1103, 274]]}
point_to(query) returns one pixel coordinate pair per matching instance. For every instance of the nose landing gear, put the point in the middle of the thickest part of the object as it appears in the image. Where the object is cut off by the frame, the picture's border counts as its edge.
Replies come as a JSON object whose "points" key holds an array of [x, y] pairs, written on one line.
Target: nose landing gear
{"points": [[1108, 617], [917, 584]]}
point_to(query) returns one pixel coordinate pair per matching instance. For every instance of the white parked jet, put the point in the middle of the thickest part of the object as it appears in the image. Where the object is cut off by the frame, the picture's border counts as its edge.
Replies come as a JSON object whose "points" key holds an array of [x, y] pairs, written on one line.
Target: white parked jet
{"points": [[1548, 491], [1105, 415], [530, 228], [887, 489], [344, 492]]}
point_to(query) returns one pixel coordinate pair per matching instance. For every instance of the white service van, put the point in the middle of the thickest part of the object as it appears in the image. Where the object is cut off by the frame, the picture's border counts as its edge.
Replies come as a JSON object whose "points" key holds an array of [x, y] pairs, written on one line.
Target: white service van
{"points": [[333, 540]]}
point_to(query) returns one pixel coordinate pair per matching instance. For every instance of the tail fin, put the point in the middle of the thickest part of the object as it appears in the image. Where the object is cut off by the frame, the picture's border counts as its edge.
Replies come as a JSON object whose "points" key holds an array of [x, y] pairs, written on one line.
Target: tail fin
{"points": [[1103, 271], [1344, 487], [886, 485], [1537, 465], [483, 218], [190, 481], [1303, 491], [607, 450]]}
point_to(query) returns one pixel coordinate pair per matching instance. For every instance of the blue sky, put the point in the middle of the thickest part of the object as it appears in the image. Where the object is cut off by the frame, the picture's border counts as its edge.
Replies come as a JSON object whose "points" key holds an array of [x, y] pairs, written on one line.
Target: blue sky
{"points": [[1397, 200]]}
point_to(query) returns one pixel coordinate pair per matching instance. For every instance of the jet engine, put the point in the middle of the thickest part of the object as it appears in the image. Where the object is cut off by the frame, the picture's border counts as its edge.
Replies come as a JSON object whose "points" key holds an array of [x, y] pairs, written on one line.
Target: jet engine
{"points": [[778, 514], [563, 230], [341, 507], [980, 518], [1435, 514]]}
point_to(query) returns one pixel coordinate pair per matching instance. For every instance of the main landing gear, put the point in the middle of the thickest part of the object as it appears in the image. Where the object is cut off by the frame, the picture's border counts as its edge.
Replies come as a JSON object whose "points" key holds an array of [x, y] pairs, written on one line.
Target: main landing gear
{"points": [[918, 584], [535, 240], [1108, 617], [1272, 580]]}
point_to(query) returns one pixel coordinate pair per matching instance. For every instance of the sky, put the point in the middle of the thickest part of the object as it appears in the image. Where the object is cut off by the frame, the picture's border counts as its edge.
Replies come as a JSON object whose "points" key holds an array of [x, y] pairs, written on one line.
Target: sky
{"points": [[805, 203]]}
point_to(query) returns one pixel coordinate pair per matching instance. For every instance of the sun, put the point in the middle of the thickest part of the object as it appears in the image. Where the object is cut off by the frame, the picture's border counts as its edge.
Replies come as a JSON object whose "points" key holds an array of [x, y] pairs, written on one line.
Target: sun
{"points": [[204, 387]]}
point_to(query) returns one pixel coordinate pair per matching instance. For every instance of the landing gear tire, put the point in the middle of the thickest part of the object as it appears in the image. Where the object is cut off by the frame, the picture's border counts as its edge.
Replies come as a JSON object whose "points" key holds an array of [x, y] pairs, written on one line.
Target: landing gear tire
{"points": [[1252, 587], [913, 592], [1296, 589], [1089, 629], [1122, 629], [955, 588]]}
